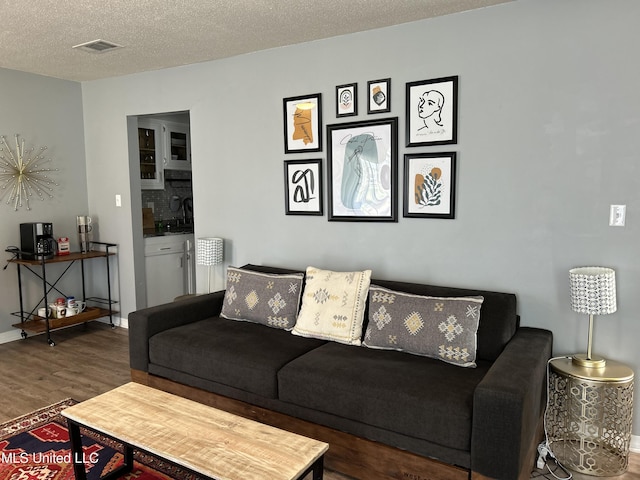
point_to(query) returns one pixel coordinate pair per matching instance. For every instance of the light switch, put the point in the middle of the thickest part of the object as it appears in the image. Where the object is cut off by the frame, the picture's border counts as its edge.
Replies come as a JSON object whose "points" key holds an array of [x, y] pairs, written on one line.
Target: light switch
{"points": [[118, 200], [617, 215]]}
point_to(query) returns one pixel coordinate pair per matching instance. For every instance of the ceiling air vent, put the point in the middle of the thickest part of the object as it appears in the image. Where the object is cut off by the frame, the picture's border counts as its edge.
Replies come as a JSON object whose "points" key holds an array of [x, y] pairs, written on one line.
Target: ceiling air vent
{"points": [[97, 46]]}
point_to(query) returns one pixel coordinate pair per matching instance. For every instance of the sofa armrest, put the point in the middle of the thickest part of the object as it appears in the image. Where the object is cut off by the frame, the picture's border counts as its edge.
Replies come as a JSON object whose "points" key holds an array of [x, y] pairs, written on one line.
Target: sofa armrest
{"points": [[145, 323], [508, 404]]}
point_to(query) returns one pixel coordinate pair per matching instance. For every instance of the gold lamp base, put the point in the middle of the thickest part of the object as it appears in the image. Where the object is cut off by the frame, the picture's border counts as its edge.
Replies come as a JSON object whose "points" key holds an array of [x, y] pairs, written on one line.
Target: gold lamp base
{"points": [[588, 361]]}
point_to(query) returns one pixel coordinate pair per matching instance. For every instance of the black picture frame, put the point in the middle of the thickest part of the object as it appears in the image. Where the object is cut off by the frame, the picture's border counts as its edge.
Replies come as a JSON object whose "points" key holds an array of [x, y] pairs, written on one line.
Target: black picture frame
{"points": [[347, 100], [379, 96], [432, 112], [302, 123], [303, 187], [430, 185], [362, 170]]}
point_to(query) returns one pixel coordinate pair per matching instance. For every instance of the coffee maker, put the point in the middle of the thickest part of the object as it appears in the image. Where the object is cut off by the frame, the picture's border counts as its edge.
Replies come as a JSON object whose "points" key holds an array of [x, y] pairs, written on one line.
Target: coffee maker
{"points": [[36, 241]]}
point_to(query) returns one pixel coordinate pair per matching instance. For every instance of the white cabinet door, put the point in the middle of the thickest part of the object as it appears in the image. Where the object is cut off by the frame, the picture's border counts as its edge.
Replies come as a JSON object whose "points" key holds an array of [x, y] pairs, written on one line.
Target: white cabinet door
{"points": [[165, 268], [165, 278]]}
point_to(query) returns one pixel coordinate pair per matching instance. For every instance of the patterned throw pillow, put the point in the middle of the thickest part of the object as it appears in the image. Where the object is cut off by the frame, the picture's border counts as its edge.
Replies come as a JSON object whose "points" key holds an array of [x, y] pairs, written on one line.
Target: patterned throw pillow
{"points": [[264, 298], [439, 327], [333, 305]]}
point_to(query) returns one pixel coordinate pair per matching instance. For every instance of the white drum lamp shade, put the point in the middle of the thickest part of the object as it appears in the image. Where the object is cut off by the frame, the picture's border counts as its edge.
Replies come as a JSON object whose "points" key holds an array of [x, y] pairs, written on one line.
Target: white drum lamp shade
{"points": [[593, 291], [210, 251]]}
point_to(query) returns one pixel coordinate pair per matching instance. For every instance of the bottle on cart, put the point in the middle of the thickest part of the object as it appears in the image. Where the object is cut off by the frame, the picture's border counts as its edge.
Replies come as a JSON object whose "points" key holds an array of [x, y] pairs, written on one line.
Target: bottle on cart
{"points": [[84, 232]]}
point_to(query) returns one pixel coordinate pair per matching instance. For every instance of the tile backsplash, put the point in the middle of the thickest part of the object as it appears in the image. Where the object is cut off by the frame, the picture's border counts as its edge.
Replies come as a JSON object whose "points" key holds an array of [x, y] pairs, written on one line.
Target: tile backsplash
{"points": [[176, 183]]}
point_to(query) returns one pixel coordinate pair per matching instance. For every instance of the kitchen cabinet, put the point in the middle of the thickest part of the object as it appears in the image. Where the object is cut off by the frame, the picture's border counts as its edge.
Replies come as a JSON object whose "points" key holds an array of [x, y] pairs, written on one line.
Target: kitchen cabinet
{"points": [[177, 144], [151, 153], [169, 267]]}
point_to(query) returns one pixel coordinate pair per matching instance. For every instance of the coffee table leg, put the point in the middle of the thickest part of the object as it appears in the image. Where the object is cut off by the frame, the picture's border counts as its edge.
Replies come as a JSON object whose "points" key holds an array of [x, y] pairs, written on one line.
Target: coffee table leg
{"points": [[318, 469], [76, 450], [78, 456]]}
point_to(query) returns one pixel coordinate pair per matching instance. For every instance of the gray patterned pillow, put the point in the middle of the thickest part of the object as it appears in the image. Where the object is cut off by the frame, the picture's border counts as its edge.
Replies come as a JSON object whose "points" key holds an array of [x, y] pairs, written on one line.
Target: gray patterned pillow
{"points": [[439, 327], [266, 298]]}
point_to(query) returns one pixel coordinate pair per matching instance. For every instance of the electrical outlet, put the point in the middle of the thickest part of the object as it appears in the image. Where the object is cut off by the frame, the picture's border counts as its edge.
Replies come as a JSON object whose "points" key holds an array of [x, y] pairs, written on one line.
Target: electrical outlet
{"points": [[617, 215], [118, 200]]}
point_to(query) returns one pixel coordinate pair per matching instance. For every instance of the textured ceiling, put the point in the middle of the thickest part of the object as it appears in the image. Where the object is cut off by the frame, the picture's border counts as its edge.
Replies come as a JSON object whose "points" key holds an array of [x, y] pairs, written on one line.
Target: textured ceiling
{"points": [[37, 36]]}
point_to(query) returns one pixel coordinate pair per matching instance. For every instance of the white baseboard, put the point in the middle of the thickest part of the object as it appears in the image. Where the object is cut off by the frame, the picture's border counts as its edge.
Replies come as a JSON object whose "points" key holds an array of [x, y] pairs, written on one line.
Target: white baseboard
{"points": [[634, 445], [117, 321], [11, 336]]}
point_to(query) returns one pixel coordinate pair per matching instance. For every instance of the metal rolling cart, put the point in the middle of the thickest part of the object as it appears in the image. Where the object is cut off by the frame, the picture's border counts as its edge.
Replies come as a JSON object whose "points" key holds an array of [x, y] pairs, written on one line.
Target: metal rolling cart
{"points": [[31, 322]]}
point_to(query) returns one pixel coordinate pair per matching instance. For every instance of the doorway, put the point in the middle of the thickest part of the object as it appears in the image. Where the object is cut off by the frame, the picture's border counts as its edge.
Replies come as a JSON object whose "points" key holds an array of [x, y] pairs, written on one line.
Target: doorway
{"points": [[162, 206]]}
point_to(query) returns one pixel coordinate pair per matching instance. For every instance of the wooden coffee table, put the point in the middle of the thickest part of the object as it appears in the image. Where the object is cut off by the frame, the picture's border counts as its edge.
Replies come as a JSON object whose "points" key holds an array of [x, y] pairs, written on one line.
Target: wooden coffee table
{"points": [[202, 439]]}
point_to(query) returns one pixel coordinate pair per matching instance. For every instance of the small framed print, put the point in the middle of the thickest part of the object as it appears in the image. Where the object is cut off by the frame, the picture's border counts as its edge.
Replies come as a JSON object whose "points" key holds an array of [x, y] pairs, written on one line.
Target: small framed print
{"points": [[430, 185], [379, 96], [303, 187], [362, 171], [432, 112], [347, 100], [303, 123]]}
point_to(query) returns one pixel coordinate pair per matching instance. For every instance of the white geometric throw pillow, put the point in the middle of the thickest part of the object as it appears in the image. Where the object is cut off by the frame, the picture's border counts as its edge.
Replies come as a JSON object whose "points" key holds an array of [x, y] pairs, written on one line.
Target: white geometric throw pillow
{"points": [[333, 305]]}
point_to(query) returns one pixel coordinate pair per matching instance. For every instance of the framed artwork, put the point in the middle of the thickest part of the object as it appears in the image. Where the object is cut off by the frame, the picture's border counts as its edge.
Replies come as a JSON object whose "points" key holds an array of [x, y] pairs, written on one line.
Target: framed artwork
{"points": [[347, 100], [362, 170], [432, 112], [430, 185], [303, 187], [303, 123], [379, 96]]}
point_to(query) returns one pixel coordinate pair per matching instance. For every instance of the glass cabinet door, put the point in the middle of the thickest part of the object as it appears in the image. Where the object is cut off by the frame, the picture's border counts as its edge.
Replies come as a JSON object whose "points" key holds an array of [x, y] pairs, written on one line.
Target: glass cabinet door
{"points": [[178, 151], [149, 136]]}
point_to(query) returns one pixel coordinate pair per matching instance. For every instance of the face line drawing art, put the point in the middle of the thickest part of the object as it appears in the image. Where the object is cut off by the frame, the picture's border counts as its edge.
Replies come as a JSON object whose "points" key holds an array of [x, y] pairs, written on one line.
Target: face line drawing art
{"points": [[430, 106]]}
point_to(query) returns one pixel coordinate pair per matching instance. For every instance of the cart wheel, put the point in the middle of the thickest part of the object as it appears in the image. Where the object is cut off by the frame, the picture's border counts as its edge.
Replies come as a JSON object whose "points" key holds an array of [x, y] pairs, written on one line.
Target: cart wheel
{"points": [[51, 343], [23, 334], [113, 326]]}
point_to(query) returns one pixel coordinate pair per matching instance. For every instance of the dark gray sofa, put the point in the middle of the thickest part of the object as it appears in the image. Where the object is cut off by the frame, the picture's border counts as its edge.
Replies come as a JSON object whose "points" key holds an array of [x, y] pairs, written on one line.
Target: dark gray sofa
{"points": [[386, 414]]}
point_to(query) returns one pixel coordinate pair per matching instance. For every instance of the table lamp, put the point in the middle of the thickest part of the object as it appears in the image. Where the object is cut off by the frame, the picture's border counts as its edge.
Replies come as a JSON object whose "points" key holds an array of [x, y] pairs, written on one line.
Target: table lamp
{"points": [[593, 291], [210, 252]]}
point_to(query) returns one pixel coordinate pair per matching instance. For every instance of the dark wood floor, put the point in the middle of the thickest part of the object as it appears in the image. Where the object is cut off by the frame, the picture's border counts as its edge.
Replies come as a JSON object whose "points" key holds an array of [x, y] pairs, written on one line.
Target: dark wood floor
{"points": [[89, 360]]}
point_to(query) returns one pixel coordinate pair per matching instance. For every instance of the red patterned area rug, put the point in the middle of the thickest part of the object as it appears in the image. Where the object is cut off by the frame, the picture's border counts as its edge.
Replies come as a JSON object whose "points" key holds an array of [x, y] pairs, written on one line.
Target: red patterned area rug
{"points": [[36, 446]]}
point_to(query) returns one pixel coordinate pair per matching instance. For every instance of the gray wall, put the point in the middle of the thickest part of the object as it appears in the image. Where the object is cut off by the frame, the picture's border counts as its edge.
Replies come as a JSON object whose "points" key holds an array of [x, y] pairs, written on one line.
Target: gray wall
{"points": [[44, 112], [548, 139]]}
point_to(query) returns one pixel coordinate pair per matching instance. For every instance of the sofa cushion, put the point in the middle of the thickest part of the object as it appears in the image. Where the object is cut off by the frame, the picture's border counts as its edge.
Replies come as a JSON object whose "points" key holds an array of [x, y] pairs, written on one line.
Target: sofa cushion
{"points": [[437, 327], [224, 351], [333, 305], [269, 299], [416, 396]]}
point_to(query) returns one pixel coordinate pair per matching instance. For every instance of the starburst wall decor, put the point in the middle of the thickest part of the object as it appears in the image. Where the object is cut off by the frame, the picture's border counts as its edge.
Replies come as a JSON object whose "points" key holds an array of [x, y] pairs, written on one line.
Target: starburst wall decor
{"points": [[22, 174]]}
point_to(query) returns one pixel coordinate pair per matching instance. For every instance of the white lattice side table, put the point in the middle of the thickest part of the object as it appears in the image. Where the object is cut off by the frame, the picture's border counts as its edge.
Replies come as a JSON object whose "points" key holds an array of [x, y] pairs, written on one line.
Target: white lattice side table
{"points": [[589, 416]]}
